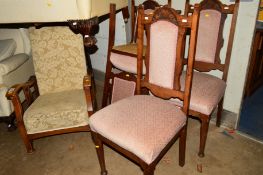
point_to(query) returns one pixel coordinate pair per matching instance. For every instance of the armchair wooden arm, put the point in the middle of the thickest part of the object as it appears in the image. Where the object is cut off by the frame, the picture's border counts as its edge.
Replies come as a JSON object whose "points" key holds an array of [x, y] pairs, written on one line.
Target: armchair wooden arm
{"points": [[30, 92], [87, 87]]}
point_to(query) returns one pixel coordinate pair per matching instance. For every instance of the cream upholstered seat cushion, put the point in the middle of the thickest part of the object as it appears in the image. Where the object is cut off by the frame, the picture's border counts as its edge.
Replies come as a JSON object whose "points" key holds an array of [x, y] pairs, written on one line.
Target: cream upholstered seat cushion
{"points": [[56, 111], [207, 91], [141, 124], [125, 62]]}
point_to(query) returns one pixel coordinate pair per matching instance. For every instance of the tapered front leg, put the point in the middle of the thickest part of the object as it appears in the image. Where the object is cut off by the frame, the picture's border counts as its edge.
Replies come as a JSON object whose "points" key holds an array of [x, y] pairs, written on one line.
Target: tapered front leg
{"points": [[182, 145], [203, 134], [219, 113], [148, 171], [100, 152]]}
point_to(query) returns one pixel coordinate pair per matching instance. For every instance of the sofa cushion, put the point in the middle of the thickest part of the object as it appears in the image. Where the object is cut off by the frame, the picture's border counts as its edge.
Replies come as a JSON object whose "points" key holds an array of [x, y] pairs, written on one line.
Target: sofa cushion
{"points": [[55, 111], [141, 124], [7, 48], [12, 63]]}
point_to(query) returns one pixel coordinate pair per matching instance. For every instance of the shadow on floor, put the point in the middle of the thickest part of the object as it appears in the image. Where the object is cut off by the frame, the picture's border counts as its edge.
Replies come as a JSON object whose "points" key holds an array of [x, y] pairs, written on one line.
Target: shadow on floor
{"points": [[251, 118]]}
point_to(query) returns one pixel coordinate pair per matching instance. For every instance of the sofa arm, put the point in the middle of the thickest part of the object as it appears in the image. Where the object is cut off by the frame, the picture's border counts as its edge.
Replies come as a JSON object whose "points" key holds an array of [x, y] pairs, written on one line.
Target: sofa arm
{"points": [[5, 105]]}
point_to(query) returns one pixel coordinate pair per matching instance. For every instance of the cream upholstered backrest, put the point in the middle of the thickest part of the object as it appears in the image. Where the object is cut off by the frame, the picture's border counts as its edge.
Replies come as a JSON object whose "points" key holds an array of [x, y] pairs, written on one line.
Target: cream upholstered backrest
{"points": [[59, 59], [163, 42], [207, 38]]}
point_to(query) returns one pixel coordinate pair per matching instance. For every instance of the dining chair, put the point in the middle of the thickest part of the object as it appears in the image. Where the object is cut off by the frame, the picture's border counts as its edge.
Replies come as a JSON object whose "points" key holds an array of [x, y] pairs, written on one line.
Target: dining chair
{"points": [[144, 127], [208, 90], [58, 100], [122, 57]]}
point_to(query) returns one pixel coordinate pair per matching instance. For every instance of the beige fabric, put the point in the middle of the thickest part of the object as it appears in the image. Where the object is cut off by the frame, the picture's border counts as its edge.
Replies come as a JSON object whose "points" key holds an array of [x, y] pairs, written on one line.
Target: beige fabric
{"points": [[54, 10], [17, 68], [7, 48], [56, 111], [17, 35], [18, 75], [141, 124], [5, 105], [206, 92], [59, 59], [12, 63]]}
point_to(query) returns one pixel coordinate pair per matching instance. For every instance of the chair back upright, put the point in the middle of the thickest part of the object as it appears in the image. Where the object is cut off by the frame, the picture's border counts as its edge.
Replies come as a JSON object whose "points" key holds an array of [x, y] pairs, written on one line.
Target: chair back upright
{"points": [[149, 5], [166, 31], [59, 59], [210, 35]]}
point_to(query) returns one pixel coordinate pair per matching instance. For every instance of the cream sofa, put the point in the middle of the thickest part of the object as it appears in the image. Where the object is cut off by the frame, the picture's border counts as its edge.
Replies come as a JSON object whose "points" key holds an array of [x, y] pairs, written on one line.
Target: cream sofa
{"points": [[16, 64]]}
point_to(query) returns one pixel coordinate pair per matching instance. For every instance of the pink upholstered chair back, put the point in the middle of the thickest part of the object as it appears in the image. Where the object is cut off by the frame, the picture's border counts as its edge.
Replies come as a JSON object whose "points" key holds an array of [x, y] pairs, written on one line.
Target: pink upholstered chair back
{"points": [[208, 31], [163, 49], [210, 34], [166, 31]]}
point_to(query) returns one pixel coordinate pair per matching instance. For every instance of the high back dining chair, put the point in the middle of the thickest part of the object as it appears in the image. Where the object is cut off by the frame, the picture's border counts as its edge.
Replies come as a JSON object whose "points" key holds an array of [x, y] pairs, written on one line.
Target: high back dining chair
{"points": [[208, 90], [58, 100], [122, 57], [144, 127]]}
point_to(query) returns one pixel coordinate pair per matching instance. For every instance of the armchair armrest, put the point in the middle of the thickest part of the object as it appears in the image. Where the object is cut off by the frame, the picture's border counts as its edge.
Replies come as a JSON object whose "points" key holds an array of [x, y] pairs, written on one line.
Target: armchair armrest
{"points": [[29, 91], [87, 87]]}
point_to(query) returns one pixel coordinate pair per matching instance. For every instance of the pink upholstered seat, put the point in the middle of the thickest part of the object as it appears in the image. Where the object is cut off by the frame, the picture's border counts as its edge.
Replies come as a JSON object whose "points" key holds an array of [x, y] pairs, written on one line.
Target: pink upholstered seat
{"points": [[140, 124], [207, 91], [125, 63]]}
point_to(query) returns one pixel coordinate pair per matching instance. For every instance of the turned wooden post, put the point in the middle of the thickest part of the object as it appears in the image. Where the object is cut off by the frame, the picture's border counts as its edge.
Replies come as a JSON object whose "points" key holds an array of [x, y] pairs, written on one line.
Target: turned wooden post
{"points": [[88, 28]]}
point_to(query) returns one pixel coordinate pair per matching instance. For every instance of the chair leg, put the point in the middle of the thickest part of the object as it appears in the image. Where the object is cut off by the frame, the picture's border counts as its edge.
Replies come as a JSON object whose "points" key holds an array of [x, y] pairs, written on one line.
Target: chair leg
{"points": [[105, 97], [182, 145], [219, 113], [149, 171], [100, 153], [28, 143], [11, 124], [203, 134]]}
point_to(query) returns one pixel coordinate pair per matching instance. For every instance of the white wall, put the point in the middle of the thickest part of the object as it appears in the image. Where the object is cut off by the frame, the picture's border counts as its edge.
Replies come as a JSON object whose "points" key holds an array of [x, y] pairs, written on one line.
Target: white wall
{"points": [[100, 57], [240, 54]]}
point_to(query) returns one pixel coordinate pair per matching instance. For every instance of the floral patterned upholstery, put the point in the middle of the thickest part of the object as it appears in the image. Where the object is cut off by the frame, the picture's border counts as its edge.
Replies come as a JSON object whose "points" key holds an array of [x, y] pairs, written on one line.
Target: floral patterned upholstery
{"points": [[59, 59], [55, 111], [138, 124], [60, 66]]}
